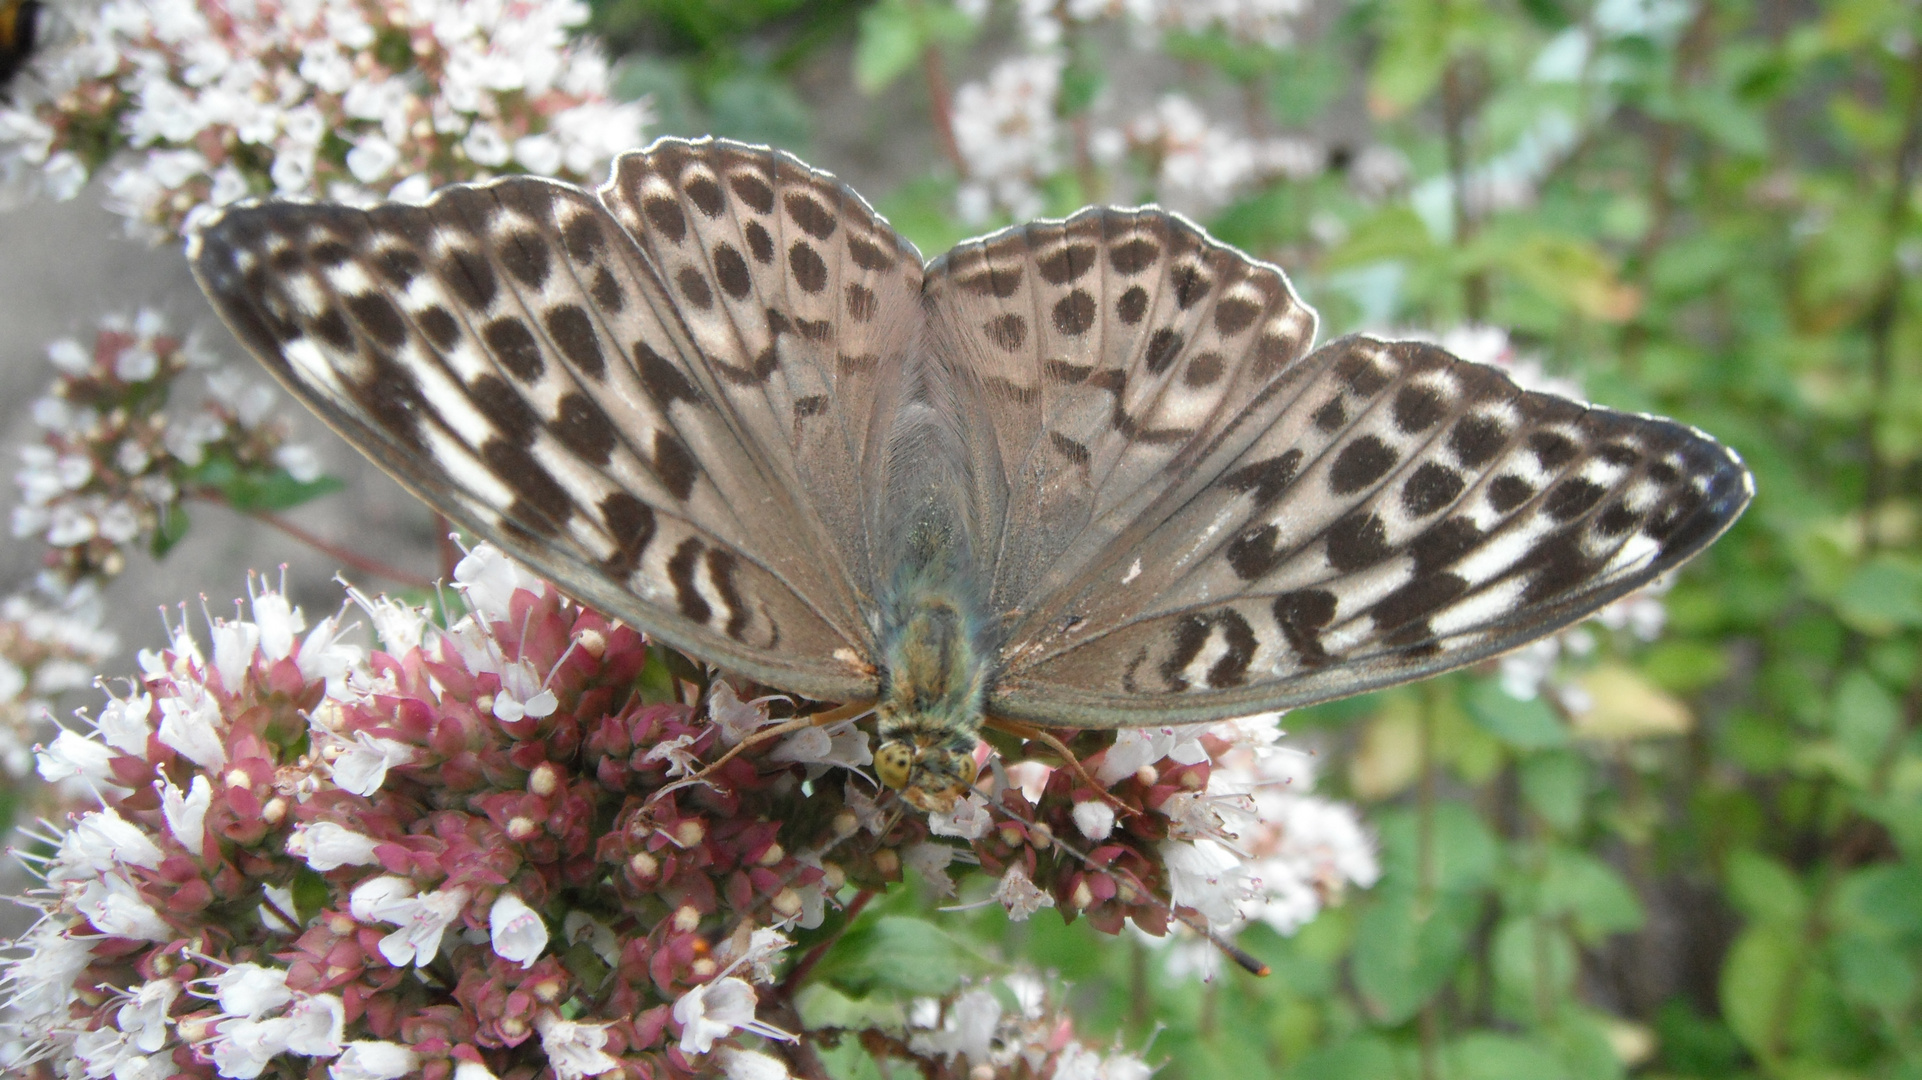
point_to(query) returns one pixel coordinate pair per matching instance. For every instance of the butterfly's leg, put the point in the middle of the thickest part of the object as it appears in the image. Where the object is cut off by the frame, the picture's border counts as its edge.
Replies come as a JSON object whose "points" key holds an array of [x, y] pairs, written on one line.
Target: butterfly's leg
{"points": [[789, 727], [1027, 731]]}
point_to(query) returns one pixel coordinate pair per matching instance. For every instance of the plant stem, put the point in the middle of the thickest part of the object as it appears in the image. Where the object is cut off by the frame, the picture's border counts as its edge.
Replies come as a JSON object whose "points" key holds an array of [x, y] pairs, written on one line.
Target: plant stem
{"points": [[799, 973], [352, 560], [1425, 870], [1456, 105], [935, 71], [1882, 317]]}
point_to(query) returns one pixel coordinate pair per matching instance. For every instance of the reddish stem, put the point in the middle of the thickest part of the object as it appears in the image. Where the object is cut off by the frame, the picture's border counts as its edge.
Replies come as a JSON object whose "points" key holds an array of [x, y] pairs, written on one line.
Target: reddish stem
{"points": [[936, 74], [801, 970], [350, 559]]}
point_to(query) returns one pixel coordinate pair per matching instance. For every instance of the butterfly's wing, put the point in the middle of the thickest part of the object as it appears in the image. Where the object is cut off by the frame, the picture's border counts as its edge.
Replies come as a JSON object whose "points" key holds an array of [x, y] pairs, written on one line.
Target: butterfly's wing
{"points": [[1362, 516], [650, 394]]}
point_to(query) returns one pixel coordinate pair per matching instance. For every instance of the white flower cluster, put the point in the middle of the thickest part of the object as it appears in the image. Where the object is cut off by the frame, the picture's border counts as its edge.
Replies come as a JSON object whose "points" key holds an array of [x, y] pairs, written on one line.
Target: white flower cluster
{"points": [[1255, 22], [351, 99], [1009, 136], [994, 1040], [51, 643], [1198, 164], [111, 460], [1257, 844]]}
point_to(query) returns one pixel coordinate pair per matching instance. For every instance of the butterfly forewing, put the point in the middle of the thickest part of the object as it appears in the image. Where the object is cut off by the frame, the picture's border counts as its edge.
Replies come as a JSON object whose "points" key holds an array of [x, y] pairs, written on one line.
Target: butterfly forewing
{"points": [[511, 353], [1403, 512], [800, 305]]}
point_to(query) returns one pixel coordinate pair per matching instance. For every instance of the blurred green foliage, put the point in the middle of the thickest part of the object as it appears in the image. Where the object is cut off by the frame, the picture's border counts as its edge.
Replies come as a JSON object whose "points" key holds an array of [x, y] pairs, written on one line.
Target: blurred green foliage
{"points": [[1716, 871]]}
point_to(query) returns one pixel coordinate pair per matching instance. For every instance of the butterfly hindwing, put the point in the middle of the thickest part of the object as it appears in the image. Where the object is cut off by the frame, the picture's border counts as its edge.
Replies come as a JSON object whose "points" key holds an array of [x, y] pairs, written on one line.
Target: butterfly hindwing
{"points": [[1110, 351], [1403, 512], [512, 354]]}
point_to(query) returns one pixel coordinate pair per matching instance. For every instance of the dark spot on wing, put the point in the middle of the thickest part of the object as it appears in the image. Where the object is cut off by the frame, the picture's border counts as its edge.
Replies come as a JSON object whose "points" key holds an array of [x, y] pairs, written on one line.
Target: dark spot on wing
{"points": [[514, 346], [813, 218], [1163, 345], [810, 273], [1360, 463], [582, 427], [753, 191], [1074, 313], [1267, 479], [664, 213], [706, 196], [730, 269], [572, 330], [1431, 487], [1357, 542], [1008, 331]]}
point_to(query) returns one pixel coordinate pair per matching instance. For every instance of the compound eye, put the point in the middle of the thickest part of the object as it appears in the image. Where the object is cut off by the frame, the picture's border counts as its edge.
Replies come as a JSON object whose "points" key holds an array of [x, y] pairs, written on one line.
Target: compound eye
{"points": [[892, 763], [964, 771]]}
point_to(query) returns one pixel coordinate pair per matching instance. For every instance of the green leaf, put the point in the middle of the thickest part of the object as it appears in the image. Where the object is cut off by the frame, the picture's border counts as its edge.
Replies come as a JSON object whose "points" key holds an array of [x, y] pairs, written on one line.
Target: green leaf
{"points": [[1465, 853], [1754, 978], [1884, 594], [1872, 974], [311, 892], [889, 43], [898, 953], [1487, 1056], [1765, 890], [172, 529], [1534, 965], [1403, 955], [1865, 714], [1590, 892], [1525, 725], [1365, 1057], [1684, 666], [1885, 900], [1555, 783]]}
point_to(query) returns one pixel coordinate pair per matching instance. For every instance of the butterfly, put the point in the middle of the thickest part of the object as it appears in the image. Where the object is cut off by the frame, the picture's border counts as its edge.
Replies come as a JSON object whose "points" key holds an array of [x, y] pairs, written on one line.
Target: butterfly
{"points": [[1075, 474], [19, 24]]}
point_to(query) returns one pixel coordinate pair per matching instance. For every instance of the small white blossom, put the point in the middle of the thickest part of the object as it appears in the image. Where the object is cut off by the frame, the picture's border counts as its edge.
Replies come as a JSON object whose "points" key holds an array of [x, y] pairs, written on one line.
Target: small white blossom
{"points": [[573, 1049], [186, 813], [968, 819], [517, 932], [738, 1064], [1017, 892], [368, 1059], [712, 1010], [75, 757], [1095, 819], [362, 767], [325, 846]]}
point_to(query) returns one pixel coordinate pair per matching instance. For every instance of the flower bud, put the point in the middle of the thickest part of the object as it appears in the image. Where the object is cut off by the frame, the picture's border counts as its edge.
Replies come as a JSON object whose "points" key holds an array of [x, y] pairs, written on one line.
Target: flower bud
{"points": [[772, 855], [1082, 895], [687, 919], [521, 827], [593, 643], [690, 832], [275, 811], [643, 866], [887, 862], [703, 969], [545, 779], [845, 823], [786, 903], [1147, 775], [833, 876]]}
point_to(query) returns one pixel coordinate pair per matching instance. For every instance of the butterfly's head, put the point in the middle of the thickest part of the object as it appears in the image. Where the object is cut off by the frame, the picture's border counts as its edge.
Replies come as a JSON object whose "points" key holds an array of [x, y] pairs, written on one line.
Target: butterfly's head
{"points": [[930, 778], [930, 707]]}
